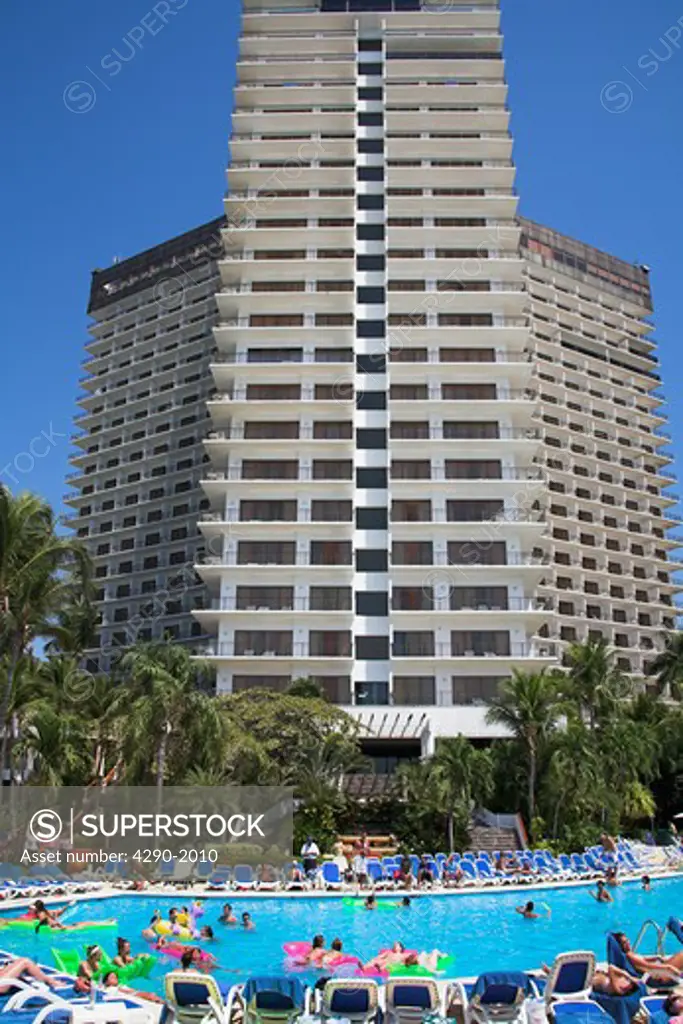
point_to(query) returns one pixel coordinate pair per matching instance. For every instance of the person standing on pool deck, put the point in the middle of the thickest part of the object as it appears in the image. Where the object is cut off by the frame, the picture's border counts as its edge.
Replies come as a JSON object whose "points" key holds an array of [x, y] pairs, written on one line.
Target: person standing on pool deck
{"points": [[309, 854]]}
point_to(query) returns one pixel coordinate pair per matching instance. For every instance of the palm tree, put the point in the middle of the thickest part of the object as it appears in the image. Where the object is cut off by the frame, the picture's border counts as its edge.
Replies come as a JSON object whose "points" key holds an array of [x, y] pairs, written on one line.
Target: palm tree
{"points": [[527, 705], [55, 748], [667, 666], [165, 704], [593, 684], [464, 776], [37, 570]]}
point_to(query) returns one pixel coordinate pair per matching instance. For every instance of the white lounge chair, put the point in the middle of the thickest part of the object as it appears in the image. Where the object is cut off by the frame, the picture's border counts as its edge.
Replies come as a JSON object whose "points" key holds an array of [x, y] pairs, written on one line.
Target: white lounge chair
{"points": [[570, 978]]}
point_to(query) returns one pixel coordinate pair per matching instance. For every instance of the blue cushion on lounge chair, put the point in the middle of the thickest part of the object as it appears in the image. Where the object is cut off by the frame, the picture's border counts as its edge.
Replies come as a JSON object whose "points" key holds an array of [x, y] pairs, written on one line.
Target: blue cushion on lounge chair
{"points": [[277, 989], [579, 1013], [675, 926], [412, 995], [191, 993], [572, 977], [349, 1000], [503, 982], [616, 956], [621, 1008]]}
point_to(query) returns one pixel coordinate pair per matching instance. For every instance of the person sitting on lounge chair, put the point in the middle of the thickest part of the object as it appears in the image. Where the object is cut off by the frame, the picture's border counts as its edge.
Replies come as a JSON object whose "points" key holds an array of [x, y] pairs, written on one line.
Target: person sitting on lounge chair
{"points": [[425, 875], [20, 968], [614, 982], [404, 875], [658, 966]]}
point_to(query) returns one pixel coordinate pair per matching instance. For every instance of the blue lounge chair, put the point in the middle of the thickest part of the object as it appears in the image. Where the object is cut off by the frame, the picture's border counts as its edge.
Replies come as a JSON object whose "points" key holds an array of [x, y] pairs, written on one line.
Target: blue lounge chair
{"points": [[495, 996], [488, 874], [194, 998], [272, 1000], [675, 926], [356, 1000], [243, 876], [581, 1012], [409, 999], [654, 1007], [331, 875], [570, 978], [219, 878]]}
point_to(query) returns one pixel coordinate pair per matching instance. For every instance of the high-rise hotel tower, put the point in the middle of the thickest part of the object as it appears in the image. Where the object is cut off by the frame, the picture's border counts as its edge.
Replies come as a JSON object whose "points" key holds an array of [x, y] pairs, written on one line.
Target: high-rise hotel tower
{"points": [[434, 447]]}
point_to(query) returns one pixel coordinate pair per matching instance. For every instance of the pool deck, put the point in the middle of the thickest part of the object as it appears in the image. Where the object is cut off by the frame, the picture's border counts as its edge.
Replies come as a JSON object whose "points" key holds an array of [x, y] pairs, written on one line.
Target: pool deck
{"points": [[196, 890]]}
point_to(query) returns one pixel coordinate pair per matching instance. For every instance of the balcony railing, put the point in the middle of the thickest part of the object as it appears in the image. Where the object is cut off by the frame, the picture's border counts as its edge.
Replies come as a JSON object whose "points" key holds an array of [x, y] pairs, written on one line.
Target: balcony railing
{"points": [[297, 604], [237, 433]]}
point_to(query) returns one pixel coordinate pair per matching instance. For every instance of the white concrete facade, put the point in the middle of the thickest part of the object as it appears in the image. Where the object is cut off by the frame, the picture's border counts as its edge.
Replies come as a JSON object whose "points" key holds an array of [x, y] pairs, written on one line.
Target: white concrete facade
{"points": [[375, 476]]}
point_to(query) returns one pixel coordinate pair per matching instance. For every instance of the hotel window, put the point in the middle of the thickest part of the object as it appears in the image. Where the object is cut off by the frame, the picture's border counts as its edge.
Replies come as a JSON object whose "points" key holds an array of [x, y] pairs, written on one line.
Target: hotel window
{"points": [[414, 690], [268, 511], [480, 642], [341, 430], [332, 469], [256, 431], [329, 643], [469, 469], [473, 511], [261, 553], [413, 469], [412, 599], [467, 355], [470, 430], [260, 642], [474, 689], [473, 552], [408, 392], [330, 552], [330, 599], [331, 511], [257, 469], [483, 598], [468, 392], [409, 431], [273, 392], [412, 553], [253, 598], [418, 643], [411, 511]]}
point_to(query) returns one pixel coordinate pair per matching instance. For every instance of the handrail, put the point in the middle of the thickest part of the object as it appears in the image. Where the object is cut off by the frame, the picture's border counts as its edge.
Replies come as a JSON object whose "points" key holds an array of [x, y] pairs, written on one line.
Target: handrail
{"points": [[650, 923]]}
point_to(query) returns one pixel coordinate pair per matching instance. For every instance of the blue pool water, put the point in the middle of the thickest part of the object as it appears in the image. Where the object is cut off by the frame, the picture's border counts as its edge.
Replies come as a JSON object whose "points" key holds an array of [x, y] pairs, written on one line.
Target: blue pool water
{"points": [[482, 931]]}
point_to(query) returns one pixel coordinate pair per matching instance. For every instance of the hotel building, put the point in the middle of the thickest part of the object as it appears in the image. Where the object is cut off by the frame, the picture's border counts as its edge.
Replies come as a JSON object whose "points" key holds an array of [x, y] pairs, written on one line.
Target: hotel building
{"points": [[435, 447]]}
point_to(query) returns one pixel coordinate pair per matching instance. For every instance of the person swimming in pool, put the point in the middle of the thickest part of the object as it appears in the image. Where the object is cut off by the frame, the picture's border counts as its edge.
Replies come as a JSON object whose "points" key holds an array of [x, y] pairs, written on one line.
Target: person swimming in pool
{"points": [[601, 895], [645, 883], [387, 957], [405, 902], [317, 951], [247, 922], [336, 951], [371, 902], [528, 911], [227, 917], [430, 961]]}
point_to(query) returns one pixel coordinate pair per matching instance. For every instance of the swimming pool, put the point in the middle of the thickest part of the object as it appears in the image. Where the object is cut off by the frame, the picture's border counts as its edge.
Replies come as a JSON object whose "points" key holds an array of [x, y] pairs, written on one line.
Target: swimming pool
{"points": [[482, 931]]}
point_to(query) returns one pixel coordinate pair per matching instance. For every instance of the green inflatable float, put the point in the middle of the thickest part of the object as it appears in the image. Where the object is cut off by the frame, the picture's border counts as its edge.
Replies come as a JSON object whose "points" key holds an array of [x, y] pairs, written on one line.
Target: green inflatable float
{"points": [[31, 924], [67, 961], [416, 971], [358, 903]]}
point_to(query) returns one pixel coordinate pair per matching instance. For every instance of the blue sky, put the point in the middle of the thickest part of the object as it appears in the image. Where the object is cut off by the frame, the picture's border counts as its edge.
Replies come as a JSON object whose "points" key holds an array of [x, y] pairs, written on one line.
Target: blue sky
{"points": [[103, 158]]}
